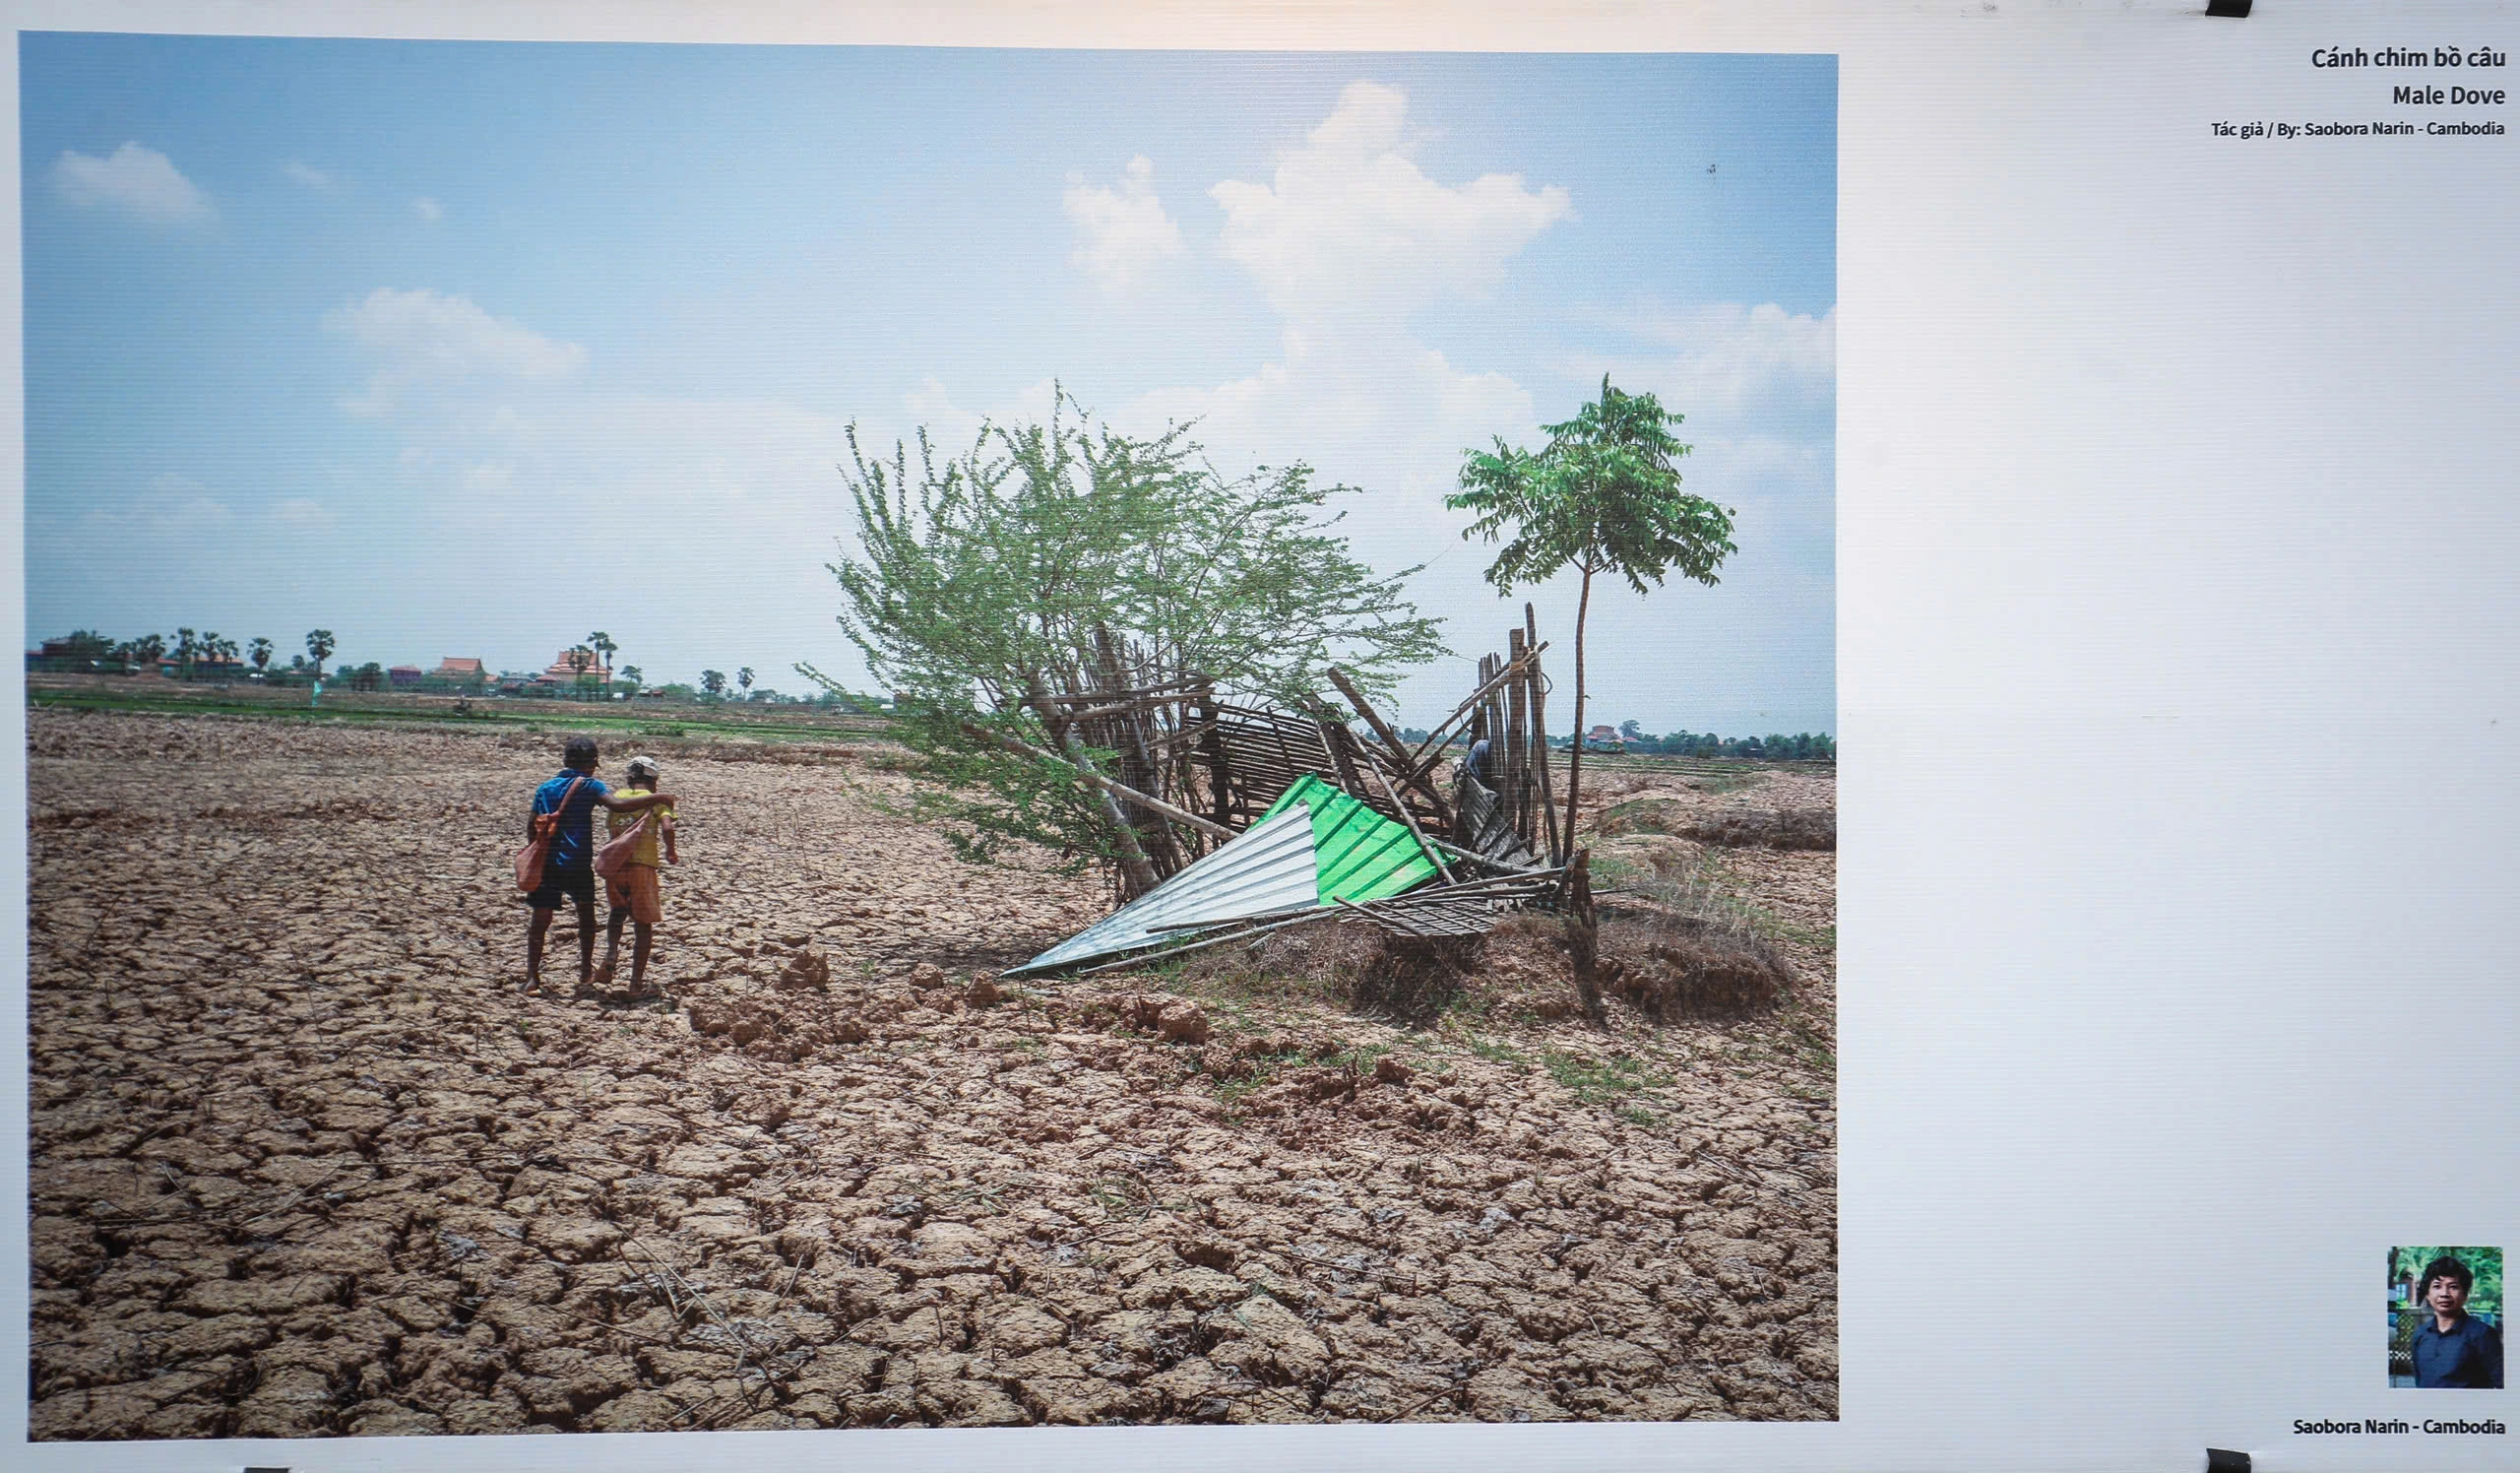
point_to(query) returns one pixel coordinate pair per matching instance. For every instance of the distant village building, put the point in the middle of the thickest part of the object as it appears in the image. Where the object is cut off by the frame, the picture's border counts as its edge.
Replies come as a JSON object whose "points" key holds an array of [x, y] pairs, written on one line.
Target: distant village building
{"points": [[403, 675], [561, 673], [453, 668], [71, 652], [204, 666]]}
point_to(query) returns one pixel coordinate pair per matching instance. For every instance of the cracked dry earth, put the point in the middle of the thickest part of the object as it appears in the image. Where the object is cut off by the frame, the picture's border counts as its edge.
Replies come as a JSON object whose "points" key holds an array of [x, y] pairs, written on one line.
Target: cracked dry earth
{"points": [[304, 1162]]}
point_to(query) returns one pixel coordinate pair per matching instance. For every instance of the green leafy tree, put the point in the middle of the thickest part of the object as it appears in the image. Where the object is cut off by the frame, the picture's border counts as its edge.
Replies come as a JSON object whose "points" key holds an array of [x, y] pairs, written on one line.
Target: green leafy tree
{"points": [[992, 580], [260, 652], [1602, 496], [85, 644], [714, 682], [631, 675], [319, 647], [2486, 1263]]}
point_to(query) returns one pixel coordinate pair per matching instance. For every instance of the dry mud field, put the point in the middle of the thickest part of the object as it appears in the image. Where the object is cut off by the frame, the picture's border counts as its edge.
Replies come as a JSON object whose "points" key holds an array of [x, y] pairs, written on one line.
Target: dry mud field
{"points": [[305, 1161]]}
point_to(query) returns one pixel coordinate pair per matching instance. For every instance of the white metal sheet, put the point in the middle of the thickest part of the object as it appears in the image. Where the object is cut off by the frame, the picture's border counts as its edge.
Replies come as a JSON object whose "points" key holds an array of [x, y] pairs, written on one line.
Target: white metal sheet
{"points": [[1268, 868]]}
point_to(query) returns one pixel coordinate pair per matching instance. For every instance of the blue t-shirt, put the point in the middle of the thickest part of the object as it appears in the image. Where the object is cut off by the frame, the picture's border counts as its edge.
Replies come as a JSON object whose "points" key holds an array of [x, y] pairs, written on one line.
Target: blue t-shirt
{"points": [[2470, 1355], [573, 847]]}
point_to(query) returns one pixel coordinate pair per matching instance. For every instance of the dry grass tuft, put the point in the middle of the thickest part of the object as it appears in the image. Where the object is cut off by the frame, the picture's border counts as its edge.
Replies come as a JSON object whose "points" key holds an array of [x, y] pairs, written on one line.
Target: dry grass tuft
{"points": [[1682, 947], [1350, 963], [1736, 828]]}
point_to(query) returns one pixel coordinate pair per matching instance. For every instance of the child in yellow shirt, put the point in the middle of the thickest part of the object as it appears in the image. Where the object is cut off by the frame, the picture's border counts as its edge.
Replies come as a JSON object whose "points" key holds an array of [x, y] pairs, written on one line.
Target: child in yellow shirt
{"points": [[635, 894]]}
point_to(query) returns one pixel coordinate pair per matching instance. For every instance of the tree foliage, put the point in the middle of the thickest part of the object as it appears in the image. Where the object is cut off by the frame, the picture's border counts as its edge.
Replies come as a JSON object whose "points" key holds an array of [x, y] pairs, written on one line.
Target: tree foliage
{"points": [[1602, 496], [2486, 1294], [988, 582]]}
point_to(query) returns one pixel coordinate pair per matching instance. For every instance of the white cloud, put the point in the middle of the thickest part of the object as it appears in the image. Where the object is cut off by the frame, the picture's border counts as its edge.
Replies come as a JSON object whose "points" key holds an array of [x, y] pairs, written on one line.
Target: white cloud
{"points": [[1394, 416], [302, 514], [428, 208], [299, 173], [422, 337], [1732, 366], [138, 180], [1124, 230], [173, 506], [1349, 221], [1347, 236]]}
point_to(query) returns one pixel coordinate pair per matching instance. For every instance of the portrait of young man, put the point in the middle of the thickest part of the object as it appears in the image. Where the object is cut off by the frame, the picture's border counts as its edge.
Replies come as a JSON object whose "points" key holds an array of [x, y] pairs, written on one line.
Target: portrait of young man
{"points": [[2454, 1348]]}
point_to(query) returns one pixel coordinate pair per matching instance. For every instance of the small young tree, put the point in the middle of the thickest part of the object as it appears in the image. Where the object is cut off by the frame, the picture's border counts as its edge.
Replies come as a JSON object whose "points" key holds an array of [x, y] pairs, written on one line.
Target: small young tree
{"points": [[1601, 496], [319, 647]]}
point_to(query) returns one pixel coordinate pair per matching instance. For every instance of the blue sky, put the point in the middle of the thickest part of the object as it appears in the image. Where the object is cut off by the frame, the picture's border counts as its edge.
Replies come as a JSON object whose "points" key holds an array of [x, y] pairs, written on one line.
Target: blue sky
{"points": [[470, 349]]}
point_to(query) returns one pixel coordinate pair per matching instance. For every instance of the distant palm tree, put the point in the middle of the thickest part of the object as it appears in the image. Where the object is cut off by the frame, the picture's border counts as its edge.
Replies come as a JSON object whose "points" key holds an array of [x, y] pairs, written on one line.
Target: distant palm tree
{"points": [[743, 677], [261, 651], [580, 659], [602, 643], [319, 647], [186, 646]]}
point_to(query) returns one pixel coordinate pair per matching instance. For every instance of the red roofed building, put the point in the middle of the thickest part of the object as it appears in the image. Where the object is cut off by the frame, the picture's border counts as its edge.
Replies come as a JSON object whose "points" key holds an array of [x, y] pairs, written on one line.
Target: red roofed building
{"points": [[453, 668], [565, 674]]}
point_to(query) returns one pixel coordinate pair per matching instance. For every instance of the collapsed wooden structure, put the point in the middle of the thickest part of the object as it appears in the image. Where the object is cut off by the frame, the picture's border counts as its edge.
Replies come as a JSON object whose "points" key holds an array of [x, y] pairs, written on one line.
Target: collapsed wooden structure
{"points": [[1187, 776]]}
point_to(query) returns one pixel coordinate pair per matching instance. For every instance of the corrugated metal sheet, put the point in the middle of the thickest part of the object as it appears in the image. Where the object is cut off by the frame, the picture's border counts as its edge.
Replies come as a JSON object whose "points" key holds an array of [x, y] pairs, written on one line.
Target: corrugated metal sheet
{"points": [[1269, 868], [1358, 855]]}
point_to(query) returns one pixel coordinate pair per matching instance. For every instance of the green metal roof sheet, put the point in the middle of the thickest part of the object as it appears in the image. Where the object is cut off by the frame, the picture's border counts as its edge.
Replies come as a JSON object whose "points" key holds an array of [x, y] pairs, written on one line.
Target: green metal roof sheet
{"points": [[1358, 855]]}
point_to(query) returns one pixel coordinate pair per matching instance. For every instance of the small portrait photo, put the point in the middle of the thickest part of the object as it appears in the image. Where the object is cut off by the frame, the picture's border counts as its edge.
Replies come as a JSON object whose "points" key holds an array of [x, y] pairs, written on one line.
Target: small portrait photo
{"points": [[2445, 1318]]}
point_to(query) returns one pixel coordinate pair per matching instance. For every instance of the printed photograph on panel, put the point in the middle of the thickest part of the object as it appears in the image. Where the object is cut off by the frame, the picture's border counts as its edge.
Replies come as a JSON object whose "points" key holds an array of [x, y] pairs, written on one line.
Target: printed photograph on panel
{"points": [[808, 736], [2445, 1318]]}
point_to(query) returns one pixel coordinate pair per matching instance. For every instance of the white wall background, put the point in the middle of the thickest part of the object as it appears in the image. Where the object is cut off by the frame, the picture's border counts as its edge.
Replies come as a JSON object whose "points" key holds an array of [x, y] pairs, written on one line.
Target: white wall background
{"points": [[2176, 693]]}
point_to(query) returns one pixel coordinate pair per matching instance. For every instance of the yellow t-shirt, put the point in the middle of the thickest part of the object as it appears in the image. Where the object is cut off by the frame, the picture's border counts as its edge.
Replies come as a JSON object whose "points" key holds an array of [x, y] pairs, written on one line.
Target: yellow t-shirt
{"points": [[618, 824]]}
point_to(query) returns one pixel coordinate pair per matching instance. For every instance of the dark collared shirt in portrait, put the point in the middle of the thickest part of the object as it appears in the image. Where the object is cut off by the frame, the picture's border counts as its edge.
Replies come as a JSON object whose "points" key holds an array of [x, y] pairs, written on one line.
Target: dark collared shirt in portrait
{"points": [[2469, 1354]]}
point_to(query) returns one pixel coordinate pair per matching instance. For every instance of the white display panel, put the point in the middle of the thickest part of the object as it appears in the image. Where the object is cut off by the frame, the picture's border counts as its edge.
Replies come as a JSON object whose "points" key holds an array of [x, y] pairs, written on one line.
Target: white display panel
{"points": [[2174, 647]]}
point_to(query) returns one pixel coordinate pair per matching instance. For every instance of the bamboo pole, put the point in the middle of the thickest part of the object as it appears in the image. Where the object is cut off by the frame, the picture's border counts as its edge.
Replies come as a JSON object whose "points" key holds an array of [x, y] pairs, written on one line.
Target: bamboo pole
{"points": [[1410, 820], [1117, 790], [1417, 759], [1391, 739], [1540, 740]]}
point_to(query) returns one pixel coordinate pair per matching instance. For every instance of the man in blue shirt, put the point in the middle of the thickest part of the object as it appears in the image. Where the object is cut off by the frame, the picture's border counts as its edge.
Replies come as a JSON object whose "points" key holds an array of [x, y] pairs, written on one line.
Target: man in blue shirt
{"points": [[2456, 1349], [568, 871], [1479, 764]]}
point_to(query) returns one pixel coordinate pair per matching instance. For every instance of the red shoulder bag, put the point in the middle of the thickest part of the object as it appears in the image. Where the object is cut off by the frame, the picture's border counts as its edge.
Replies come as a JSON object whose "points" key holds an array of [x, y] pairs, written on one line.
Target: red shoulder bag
{"points": [[536, 852]]}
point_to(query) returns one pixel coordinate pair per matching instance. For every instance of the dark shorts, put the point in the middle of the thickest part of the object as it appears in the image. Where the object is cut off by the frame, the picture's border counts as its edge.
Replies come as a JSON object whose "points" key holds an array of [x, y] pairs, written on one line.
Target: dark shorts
{"points": [[563, 884]]}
